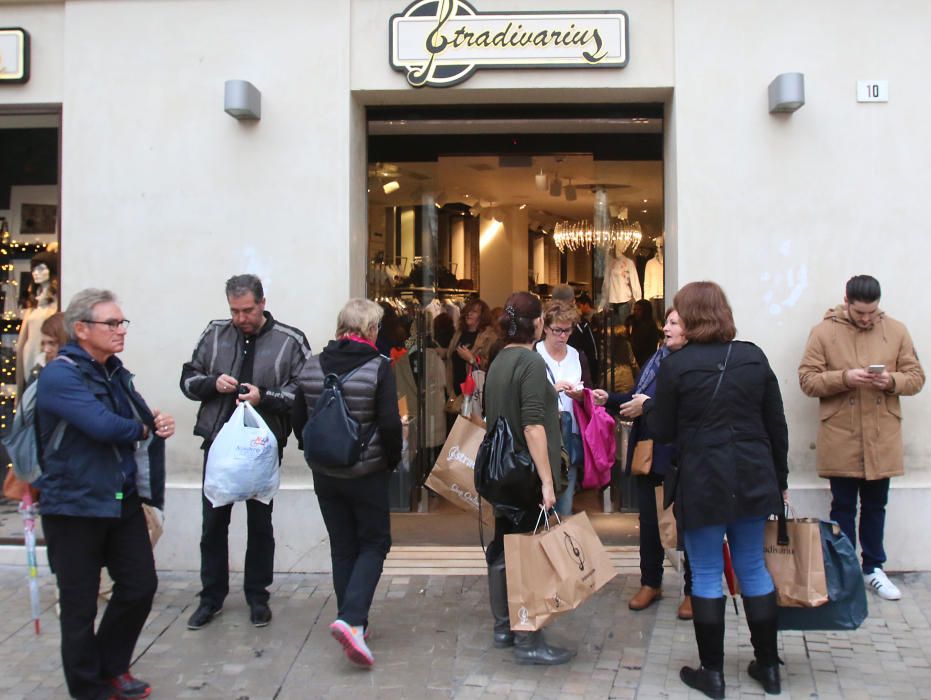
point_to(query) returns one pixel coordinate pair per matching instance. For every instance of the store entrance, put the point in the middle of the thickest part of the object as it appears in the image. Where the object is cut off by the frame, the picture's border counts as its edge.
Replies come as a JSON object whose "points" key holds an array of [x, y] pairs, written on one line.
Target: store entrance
{"points": [[466, 206]]}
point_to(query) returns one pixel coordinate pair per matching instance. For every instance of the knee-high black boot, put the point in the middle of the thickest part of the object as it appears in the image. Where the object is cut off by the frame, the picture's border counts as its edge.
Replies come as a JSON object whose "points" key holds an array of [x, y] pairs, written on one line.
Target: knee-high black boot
{"points": [[708, 620], [762, 618], [498, 597]]}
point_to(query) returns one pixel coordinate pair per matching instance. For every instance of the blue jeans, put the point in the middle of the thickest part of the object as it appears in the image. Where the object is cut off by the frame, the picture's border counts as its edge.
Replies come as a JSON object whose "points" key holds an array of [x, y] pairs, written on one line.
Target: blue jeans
{"points": [[704, 546], [873, 498], [573, 444], [564, 502]]}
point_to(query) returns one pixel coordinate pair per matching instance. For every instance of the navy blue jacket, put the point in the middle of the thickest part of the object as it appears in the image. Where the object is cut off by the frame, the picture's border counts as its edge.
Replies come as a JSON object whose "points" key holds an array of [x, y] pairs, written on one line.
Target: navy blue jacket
{"points": [[83, 467]]}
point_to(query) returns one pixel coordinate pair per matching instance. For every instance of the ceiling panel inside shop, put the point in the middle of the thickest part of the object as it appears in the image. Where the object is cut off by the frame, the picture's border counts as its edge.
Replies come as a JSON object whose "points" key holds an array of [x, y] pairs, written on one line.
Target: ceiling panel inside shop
{"points": [[481, 180]]}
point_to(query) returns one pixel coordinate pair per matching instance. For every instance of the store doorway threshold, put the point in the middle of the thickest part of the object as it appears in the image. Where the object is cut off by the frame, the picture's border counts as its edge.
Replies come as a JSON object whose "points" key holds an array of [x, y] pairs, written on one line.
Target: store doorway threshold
{"points": [[460, 529]]}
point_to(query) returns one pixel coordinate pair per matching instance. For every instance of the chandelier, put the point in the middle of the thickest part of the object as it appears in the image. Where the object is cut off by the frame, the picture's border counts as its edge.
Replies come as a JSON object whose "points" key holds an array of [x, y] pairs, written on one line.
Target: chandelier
{"points": [[572, 235]]}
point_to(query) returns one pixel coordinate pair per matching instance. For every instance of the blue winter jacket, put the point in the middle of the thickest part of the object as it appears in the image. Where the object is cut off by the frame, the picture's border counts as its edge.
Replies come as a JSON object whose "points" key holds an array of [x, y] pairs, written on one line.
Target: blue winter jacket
{"points": [[86, 445]]}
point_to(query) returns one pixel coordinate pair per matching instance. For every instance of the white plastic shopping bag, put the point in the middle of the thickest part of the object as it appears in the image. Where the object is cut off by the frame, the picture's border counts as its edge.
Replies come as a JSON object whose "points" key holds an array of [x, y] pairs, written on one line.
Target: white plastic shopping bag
{"points": [[243, 460]]}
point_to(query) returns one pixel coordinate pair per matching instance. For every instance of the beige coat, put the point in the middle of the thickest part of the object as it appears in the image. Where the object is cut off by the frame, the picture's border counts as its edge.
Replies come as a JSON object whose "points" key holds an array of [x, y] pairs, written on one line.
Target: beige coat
{"points": [[860, 434]]}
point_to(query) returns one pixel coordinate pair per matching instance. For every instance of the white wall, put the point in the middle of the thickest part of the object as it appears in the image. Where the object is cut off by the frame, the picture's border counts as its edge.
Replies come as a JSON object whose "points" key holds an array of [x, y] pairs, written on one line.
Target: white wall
{"points": [[165, 195], [783, 209]]}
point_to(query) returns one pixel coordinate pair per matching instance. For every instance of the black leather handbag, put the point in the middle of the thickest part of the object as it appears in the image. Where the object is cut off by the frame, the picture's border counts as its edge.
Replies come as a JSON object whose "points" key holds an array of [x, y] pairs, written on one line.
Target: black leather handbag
{"points": [[504, 476]]}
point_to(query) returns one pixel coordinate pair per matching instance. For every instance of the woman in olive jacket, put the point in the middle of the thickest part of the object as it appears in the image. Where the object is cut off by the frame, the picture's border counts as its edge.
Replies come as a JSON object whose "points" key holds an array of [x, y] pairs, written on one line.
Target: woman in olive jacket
{"points": [[732, 471]]}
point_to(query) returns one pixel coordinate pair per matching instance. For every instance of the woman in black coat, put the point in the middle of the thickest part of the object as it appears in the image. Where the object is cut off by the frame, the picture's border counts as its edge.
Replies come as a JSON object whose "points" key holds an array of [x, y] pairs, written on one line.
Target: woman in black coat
{"points": [[719, 401]]}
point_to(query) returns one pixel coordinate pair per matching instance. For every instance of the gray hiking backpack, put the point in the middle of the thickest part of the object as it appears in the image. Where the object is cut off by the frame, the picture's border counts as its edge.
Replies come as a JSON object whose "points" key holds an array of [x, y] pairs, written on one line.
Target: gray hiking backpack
{"points": [[22, 444]]}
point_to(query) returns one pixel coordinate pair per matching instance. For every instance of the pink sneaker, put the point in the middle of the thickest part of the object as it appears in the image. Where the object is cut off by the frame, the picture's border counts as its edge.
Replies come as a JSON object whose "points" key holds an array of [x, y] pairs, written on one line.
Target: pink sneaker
{"points": [[353, 641]]}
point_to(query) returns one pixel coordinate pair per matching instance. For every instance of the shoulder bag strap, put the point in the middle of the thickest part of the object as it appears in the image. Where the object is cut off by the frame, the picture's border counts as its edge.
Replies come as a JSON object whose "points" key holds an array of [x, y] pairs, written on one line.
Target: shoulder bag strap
{"points": [[721, 367]]}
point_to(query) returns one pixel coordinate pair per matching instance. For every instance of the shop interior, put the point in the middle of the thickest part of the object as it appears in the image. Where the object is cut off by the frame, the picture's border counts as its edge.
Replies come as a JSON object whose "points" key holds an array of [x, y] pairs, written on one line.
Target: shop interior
{"points": [[29, 281], [466, 203]]}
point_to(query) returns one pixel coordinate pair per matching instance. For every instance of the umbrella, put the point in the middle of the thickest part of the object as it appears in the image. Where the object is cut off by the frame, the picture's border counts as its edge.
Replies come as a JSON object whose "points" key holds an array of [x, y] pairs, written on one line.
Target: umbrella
{"points": [[28, 510], [729, 575]]}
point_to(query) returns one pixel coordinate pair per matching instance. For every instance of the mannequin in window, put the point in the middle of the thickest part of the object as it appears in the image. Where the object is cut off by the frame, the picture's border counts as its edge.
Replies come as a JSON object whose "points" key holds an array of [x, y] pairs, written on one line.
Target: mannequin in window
{"points": [[653, 280], [621, 283], [41, 302]]}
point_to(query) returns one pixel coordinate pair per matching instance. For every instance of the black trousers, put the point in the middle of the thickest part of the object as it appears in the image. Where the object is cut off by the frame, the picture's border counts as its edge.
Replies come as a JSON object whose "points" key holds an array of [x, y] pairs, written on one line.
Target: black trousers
{"points": [[507, 526], [652, 554], [214, 551], [80, 547], [355, 512]]}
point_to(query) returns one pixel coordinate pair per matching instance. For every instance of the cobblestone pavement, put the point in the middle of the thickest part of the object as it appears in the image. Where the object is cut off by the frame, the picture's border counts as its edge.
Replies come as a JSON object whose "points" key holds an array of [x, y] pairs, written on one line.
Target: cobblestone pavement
{"points": [[431, 639]]}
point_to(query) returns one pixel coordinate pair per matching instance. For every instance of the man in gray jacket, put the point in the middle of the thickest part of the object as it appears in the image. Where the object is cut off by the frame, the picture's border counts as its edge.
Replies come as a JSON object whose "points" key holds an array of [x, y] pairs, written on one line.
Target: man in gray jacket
{"points": [[249, 357]]}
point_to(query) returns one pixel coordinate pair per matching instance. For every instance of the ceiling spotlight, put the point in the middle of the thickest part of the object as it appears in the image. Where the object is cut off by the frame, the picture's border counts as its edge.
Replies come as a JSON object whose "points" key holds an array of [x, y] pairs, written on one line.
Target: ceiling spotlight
{"points": [[644, 201], [540, 180], [556, 187], [570, 191], [475, 211], [441, 199], [643, 211], [390, 187], [522, 206]]}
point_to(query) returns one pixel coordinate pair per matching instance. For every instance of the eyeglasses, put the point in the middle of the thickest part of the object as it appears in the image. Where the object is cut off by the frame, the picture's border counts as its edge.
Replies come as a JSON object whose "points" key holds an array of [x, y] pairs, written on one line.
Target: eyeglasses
{"points": [[560, 331], [113, 324]]}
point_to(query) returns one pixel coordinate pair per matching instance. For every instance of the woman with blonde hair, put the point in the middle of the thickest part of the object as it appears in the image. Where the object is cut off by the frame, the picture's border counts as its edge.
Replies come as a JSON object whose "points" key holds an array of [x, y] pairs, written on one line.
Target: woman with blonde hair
{"points": [[353, 498], [568, 372]]}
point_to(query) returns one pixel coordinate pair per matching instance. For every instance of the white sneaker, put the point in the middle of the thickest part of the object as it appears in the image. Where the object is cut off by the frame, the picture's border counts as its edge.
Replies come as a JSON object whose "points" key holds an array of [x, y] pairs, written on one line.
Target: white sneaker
{"points": [[881, 584], [353, 641]]}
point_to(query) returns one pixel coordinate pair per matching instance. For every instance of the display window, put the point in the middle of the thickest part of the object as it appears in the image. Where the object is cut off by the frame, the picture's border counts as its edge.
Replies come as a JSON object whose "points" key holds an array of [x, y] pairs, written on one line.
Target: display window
{"points": [[29, 260], [466, 206]]}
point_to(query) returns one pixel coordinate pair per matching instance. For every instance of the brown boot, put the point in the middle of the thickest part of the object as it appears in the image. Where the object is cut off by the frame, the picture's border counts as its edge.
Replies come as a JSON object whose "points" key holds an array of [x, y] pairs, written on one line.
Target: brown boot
{"points": [[685, 608], [645, 597]]}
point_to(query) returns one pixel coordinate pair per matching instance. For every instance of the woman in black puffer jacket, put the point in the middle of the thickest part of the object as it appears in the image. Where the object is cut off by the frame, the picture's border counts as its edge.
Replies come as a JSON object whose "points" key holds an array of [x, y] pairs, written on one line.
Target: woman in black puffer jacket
{"points": [[353, 498]]}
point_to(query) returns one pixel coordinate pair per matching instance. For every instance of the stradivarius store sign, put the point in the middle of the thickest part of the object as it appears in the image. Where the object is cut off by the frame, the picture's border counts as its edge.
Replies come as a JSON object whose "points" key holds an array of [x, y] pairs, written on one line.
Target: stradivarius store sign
{"points": [[440, 43]]}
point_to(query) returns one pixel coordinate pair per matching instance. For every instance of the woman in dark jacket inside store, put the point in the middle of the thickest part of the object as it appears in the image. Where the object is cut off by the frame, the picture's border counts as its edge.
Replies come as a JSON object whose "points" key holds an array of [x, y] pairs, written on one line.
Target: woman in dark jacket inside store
{"points": [[517, 388], [732, 453], [354, 498]]}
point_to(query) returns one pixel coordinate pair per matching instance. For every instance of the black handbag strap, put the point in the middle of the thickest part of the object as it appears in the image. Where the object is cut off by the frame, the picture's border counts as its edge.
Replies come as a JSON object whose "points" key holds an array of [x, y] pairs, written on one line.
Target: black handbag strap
{"points": [[721, 367]]}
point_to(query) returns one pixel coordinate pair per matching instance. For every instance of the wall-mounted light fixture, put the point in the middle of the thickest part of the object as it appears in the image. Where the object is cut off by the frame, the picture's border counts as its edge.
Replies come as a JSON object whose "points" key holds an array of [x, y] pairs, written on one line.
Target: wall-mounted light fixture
{"points": [[786, 92], [391, 186], [242, 100]]}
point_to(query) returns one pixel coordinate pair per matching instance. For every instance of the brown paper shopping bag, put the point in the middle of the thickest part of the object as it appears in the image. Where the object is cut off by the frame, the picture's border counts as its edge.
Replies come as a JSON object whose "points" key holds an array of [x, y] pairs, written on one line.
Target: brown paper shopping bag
{"points": [[453, 474], [668, 535], [554, 571], [797, 568]]}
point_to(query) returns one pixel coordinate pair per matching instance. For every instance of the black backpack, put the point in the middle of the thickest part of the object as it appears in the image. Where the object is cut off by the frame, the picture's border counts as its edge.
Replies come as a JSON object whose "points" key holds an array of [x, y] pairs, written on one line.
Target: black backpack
{"points": [[332, 436]]}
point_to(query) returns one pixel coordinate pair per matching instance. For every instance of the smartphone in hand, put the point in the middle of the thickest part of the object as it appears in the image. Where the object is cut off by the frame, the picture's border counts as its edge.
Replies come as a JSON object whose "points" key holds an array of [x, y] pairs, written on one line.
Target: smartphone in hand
{"points": [[876, 369]]}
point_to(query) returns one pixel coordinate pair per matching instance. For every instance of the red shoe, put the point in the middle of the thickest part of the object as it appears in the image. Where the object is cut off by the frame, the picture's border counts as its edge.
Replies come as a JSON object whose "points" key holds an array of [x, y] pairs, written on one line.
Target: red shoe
{"points": [[130, 688]]}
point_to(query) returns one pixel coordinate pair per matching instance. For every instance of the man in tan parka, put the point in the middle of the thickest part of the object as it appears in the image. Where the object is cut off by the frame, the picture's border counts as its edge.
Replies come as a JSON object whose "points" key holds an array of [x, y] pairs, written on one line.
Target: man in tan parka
{"points": [[858, 361]]}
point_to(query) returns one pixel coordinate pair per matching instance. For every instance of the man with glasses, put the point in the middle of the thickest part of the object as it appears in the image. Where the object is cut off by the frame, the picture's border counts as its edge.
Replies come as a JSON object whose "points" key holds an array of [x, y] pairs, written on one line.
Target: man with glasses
{"points": [[248, 357], [103, 455], [858, 362]]}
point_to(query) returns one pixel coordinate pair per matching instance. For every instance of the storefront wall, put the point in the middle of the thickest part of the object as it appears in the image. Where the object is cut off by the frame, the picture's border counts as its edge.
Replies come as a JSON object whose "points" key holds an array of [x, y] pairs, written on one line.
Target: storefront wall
{"points": [[164, 195], [783, 209]]}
